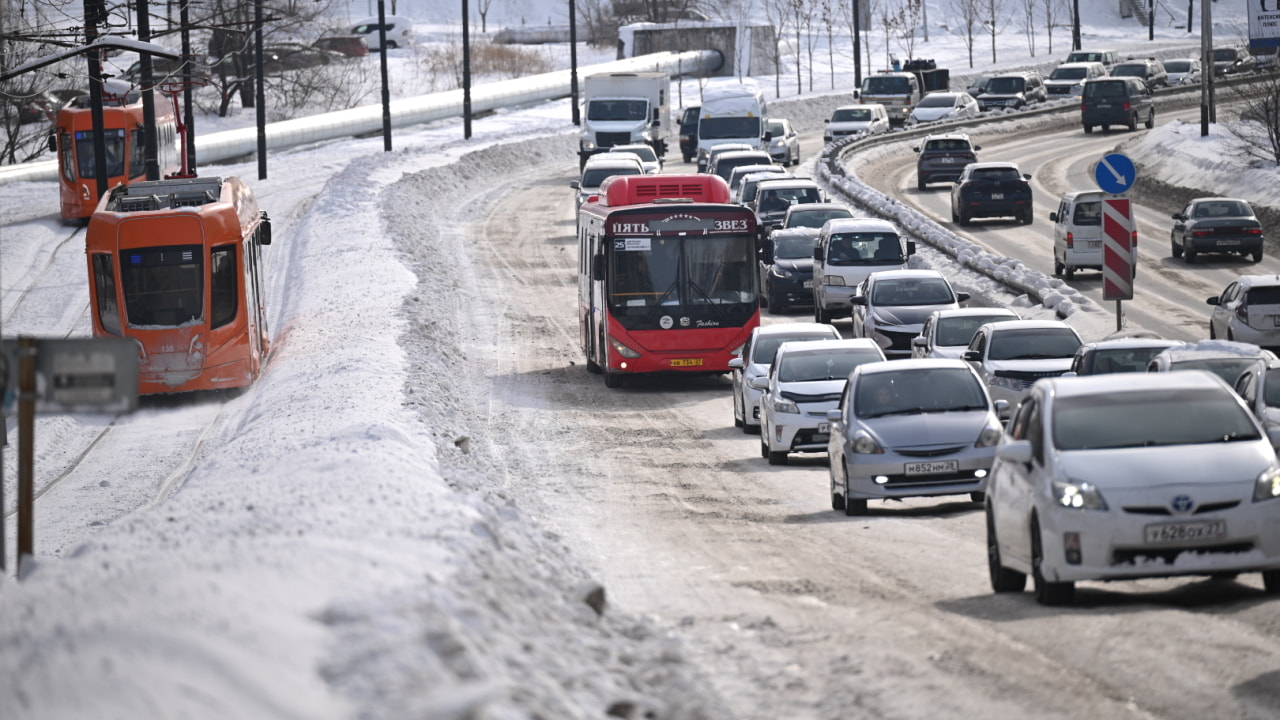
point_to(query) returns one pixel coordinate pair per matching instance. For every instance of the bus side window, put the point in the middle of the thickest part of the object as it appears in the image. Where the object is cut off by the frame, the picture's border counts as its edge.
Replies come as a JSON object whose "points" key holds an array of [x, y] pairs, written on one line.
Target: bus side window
{"points": [[104, 285]]}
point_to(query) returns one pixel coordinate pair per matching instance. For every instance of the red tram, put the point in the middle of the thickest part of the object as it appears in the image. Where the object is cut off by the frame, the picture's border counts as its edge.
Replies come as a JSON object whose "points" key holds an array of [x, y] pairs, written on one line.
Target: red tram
{"points": [[666, 276], [72, 141], [176, 265]]}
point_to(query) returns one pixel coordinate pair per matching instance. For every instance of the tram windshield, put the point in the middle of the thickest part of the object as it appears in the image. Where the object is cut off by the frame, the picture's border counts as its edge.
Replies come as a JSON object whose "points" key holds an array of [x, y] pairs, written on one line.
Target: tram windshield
{"points": [[680, 273], [163, 286], [114, 139]]}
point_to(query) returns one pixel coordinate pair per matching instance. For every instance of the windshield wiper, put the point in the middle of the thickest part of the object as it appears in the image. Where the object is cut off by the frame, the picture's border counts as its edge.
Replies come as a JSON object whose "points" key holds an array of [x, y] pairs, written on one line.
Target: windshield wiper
{"points": [[657, 308], [710, 303]]}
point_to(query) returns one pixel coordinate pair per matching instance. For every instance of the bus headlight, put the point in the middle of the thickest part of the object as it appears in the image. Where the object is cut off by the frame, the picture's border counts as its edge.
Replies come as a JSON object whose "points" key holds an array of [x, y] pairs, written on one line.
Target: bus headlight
{"points": [[621, 349]]}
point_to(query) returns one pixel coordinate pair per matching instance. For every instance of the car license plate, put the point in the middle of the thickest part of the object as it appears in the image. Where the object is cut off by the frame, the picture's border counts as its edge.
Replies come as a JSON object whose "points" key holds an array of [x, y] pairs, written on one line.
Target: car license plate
{"points": [[946, 160], [1275, 320], [824, 428], [932, 468], [1228, 243], [997, 196], [1164, 533], [686, 362], [1104, 106], [808, 284], [1095, 244]]}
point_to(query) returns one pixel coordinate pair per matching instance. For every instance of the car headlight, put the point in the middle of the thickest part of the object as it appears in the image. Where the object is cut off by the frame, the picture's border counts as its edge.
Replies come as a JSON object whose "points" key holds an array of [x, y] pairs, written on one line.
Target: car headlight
{"points": [[1078, 496], [832, 280], [864, 444], [588, 143], [784, 405], [1268, 485], [990, 436], [780, 272]]}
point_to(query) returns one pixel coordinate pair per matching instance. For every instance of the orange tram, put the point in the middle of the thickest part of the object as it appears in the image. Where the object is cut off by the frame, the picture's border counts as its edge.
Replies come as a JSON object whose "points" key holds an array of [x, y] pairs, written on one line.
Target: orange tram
{"points": [[176, 265], [72, 142]]}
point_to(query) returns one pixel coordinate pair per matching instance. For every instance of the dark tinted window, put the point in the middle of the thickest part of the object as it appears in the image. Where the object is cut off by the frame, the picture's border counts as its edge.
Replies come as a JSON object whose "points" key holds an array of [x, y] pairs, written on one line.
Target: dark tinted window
{"points": [[956, 331], [912, 291], [1088, 213], [1006, 85], [1105, 89], [1033, 344], [104, 285], [1266, 295], [851, 115], [767, 347]]}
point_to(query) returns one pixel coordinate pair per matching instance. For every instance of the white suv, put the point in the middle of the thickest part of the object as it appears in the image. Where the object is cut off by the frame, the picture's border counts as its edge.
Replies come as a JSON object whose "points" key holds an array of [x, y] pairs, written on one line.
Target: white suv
{"points": [[755, 360], [848, 251]]}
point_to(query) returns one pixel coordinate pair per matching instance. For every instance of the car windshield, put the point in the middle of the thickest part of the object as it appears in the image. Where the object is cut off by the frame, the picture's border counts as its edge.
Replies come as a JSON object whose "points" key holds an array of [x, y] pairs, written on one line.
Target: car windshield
{"points": [[766, 348], [1075, 73], [913, 392], [912, 291], [776, 129], [1150, 418], [864, 248], [716, 128], [886, 85], [1229, 369], [778, 200], [936, 101], [1006, 85], [826, 365], [593, 177], [1084, 57], [1221, 208], [851, 115], [795, 247], [1033, 344], [958, 331], [1115, 360], [1002, 173], [1224, 54], [1137, 70], [1177, 66], [814, 218]]}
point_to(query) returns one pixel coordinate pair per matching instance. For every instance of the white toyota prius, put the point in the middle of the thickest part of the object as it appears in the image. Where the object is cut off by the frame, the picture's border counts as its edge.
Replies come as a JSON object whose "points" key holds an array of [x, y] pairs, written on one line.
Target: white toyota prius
{"points": [[1132, 475]]}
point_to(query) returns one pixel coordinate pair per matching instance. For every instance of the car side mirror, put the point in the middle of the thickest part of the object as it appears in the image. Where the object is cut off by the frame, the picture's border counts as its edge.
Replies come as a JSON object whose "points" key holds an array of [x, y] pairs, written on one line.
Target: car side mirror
{"points": [[835, 415], [1053, 217], [911, 248], [920, 341], [759, 383], [1026, 176], [818, 253], [737, 363], [858, 300], [827, 121], [973, 356], [977, 148], [915, 149], [1215, 300], [1015, 451], [962, 297], [1176, 216], [575, 184], [1002, 408]]}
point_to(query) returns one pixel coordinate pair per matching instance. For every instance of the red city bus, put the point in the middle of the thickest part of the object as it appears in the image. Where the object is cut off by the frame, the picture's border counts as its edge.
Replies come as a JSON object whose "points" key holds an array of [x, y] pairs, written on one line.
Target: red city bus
{"points": [[72, 141], [176, 265], [666, 276]]}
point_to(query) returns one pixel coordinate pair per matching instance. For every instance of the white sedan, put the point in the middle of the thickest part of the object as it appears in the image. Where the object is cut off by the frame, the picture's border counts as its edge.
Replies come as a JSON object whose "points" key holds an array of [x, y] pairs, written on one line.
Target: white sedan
{"points": [[755, 360], [1132, 475], [938, 106]]}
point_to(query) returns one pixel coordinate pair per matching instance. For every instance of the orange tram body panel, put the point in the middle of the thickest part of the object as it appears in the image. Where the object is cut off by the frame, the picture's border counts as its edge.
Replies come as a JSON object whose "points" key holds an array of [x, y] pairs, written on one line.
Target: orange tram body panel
{"points": [[72, 141], [177, 266], [666, 276]]}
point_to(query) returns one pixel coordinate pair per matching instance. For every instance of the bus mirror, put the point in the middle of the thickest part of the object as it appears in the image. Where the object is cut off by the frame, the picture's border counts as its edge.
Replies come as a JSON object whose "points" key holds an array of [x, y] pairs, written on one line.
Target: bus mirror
{"points": [[911, 248], [53, 143], [597, 267], [264, 230], [818, 253]]}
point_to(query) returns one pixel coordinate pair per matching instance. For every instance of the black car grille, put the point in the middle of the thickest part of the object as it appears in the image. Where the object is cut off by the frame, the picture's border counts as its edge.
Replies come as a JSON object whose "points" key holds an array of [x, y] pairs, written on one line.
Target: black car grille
{"points": [[1026, 379], [929, 452], [609, 139], [1163, 510], [800, 398], [899, 341], [1170, 555]]}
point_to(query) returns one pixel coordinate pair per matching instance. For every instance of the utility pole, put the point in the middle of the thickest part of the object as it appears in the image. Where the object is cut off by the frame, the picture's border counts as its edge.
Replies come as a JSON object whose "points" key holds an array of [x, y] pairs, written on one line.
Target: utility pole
{"points": [[151, 162], [261, 90], [573, 62], [466, 72], [95, 12], [857, 43]]}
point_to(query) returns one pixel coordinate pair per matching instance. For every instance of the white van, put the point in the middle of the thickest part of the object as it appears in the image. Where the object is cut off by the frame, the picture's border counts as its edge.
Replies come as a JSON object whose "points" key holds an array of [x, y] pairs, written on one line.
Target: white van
{"points": [[848, 250], [1077, 233], [399, 31]]}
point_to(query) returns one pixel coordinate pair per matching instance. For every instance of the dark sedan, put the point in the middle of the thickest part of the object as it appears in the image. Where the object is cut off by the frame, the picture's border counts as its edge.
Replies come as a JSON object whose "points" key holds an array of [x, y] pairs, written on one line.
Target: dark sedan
{"points": [[1216, 225], [786, 268], [991, 189]]}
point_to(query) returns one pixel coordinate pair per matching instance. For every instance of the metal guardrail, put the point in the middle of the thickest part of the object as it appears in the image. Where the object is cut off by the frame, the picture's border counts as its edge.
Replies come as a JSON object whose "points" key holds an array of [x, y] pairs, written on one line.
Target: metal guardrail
{"points": [[217, 147]]}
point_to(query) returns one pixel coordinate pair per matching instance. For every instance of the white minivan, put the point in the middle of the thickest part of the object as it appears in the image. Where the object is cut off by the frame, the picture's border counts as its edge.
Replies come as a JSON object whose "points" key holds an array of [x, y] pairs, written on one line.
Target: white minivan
{"points": [[1077, 233], [399, 31], [848, 250]]}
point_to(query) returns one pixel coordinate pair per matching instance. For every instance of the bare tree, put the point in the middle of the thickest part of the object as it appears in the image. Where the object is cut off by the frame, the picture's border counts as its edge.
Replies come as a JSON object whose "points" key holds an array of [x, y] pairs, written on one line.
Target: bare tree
{"points": [[903, 23], [482, 9], [599, 20], [1053, 11], [992, 11], [1257, 136], [1027, 13], [828, 20], [968, 14], [809, 14], [778, 13]]}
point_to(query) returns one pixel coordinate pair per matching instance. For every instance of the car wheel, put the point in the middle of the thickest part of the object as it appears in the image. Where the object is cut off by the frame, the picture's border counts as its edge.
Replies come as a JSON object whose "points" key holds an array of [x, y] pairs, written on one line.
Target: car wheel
{"points": [[1213, 334], [739, 409], [920, 183], [852, 505], [775, 305], [764, 443], [820, 315], [1174, 248], [1189, 255], [1106, 127], [1047, 593], [688, 158], [778, 457], [1271, 581], [1133, 122], [1151, 119], [837, 498], [1256, 256], [1003, 580], [1057, 268], [1070, 272], [963, 218], [1027, 217], [1088, 129]]}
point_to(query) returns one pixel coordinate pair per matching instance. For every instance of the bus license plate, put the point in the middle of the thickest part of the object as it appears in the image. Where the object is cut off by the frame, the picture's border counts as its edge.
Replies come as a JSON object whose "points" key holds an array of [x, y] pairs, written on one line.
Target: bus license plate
{"points": [[1162, 533], [932, 468], [686, 362]]}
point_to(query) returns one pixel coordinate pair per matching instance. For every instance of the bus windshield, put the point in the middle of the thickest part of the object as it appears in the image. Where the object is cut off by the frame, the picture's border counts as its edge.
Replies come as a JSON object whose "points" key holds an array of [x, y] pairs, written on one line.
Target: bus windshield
{"points": [[114, 138], [680, 273]]}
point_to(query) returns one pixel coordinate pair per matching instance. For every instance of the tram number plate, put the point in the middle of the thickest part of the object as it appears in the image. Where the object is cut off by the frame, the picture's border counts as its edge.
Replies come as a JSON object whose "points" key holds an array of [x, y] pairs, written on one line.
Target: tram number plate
{"points": [[932, 468], [686, 362], [1185, 532]]}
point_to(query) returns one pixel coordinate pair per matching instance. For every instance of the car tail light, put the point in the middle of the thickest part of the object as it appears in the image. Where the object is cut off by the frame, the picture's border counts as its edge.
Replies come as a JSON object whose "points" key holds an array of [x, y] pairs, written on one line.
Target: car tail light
{"points": [[1134, 243], [1127, 106], [1071, 241], [1253, 231], [1201, 233], [1242, 310]]}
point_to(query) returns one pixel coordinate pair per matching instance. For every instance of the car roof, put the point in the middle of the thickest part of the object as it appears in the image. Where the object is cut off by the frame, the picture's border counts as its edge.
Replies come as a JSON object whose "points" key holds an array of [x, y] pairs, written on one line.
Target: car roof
{"points": [[784, 328], [1078, 194], [1130, 342], [1210, 349], [860, 223], [786, 183], [1212, 199], [995, 165], [1251, 281], [1113, 383], [784, 233], [618, 160], [947, 136], [1008, 325], [905, 273], [630, 146], [914, 364], [745, 170], [807, 207], [1081, 64], [855, 106], [809, 347], [732, 154], [972, 311]]}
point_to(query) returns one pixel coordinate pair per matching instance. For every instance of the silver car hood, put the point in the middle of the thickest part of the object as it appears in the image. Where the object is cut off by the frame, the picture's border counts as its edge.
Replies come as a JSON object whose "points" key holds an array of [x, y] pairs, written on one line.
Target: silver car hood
{"points": [[925, 429]]}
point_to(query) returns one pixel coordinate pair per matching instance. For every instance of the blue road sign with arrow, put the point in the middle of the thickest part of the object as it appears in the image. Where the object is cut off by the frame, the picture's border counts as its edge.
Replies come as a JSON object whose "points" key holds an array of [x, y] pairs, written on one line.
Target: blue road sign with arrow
{"points": [[1115, 173]]}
